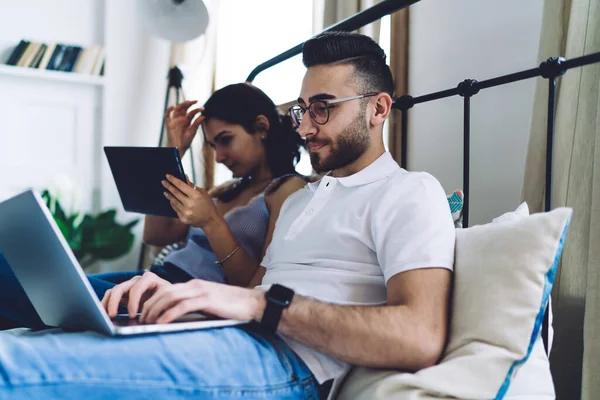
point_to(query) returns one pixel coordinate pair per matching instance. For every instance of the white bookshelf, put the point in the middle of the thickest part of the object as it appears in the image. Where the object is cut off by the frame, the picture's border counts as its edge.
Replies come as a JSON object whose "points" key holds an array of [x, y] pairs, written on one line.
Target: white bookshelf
{"points": [[56, 76], [50, 121], [54, 124]]}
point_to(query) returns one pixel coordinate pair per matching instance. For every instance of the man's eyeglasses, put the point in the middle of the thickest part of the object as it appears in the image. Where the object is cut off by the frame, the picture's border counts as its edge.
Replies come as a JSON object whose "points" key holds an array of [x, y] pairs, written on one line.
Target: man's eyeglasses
{"points": [[319, 109]]}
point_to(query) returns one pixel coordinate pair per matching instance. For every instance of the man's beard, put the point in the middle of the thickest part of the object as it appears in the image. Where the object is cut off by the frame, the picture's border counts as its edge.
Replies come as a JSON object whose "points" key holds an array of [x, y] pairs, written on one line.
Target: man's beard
{"points": [[347, 148]]}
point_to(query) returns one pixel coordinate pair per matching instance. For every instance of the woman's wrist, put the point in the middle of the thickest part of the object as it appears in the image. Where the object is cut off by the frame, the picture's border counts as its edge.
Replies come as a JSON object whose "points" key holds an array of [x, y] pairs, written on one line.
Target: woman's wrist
{"points": [[214, 225], [182, 149]]}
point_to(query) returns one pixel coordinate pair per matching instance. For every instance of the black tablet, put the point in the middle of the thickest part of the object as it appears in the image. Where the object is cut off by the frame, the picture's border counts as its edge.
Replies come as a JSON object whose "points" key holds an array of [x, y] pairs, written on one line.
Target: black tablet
{"points": [[138, 172]]}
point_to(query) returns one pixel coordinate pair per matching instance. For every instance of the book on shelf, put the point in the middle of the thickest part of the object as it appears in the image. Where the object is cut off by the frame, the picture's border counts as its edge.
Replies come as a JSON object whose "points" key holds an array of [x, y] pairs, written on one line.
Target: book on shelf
{"points": [[38, 56], [99, 63], [28, 54], [17, 52], [47, 55], [55, 56]]}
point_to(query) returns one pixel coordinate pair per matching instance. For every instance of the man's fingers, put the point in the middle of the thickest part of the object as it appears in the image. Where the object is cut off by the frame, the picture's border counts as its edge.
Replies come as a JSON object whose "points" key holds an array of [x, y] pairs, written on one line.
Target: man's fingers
{"points": [[177, 310], [145, 283], [165, 300], [161, 296], [112, 304], [105, 299], [116, 293]]}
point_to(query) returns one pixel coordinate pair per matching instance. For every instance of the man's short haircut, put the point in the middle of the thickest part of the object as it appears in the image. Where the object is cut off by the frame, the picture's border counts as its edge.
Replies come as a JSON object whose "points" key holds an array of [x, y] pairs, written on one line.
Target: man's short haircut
{"points": [[360, 51]]}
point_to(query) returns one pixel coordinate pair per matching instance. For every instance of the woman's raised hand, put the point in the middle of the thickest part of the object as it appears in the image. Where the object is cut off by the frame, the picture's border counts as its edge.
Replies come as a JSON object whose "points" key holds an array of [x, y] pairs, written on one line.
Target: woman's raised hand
{"points": [[192, 204], [181, 125]]}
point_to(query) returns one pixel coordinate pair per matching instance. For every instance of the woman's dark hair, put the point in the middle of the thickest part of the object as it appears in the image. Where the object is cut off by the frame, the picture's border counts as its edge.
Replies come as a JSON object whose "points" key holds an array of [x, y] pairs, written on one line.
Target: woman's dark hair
{"points": [[240, 104], [360, 51]]}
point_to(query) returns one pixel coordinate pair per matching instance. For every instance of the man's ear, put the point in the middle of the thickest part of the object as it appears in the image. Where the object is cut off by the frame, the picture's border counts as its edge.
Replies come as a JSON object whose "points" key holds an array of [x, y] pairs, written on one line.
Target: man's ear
{"points": [[383, 106], [262, 125]]}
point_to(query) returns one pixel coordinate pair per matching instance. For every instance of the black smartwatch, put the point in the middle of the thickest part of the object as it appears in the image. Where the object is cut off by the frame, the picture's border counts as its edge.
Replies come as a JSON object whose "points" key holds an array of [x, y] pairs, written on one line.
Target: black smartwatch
{"points": [[278, 298]]}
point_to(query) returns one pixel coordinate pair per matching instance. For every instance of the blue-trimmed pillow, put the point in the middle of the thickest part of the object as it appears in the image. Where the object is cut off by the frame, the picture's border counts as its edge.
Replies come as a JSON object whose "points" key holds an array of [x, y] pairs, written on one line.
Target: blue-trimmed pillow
{"points": [[504, 273]]}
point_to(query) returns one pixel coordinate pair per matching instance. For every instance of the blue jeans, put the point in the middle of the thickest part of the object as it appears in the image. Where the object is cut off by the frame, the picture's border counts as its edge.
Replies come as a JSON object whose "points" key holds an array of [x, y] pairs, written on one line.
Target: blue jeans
{"points": [[221, 363]]}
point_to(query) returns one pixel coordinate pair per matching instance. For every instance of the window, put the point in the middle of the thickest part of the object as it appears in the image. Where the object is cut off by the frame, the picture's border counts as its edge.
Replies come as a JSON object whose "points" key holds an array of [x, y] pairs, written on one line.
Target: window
{"points": [[251, 32]]}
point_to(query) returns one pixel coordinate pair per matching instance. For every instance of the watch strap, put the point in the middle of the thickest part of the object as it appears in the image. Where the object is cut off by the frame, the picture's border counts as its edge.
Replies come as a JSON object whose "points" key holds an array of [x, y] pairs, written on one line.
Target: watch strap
{"points": [[271, 316]]}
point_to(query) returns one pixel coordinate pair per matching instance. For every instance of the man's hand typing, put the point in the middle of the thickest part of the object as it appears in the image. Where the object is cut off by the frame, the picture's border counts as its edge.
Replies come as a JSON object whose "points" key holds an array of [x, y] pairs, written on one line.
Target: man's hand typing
{"points": [[170, 302], [132, 293]]}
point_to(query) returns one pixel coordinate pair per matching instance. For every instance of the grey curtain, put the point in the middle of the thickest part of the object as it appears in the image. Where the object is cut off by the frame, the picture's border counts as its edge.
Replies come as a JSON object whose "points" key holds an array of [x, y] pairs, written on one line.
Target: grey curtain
{"points": [[571, 28]]}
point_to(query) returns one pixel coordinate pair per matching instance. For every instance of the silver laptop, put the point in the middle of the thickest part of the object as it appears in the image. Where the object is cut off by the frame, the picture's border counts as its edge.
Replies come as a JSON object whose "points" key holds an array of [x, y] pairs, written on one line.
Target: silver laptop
{"points": [[54, 281]]}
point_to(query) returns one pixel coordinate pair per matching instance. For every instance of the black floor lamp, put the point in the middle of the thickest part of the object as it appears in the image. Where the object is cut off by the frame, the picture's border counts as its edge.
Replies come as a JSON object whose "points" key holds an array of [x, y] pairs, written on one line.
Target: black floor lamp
{"points": [[177, 21], [175, 78]]}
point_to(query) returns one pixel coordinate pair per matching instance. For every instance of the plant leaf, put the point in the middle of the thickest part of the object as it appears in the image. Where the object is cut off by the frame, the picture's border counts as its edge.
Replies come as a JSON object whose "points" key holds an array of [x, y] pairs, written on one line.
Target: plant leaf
{"points": [[59, 212], [92, 237], [106, 218], [131, 224], [76, 240], [64, 229], [111, 243]]}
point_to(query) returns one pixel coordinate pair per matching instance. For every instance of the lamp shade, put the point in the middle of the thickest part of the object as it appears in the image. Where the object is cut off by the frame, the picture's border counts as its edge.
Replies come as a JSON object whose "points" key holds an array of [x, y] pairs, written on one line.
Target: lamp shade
{"points": [[174, 20]]}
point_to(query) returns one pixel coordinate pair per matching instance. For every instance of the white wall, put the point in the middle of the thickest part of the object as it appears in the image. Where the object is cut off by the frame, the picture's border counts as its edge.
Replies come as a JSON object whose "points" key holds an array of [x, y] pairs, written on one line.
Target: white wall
{"points": [[454, 40], [66, 21], [136, 80]]}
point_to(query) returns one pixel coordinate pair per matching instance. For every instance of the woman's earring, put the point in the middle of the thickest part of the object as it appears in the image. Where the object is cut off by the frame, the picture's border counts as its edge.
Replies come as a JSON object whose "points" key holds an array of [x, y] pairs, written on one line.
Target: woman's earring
{"points": [[263, 137]]}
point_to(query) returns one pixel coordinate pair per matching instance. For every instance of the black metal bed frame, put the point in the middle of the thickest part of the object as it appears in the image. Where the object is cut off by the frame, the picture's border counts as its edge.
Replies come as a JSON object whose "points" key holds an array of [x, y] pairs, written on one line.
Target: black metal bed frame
{"points": [[550, 69]]}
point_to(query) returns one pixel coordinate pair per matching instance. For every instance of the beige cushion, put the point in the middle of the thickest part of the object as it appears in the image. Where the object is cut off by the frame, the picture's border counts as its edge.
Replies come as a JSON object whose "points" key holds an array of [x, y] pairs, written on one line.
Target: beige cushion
{"points": [[534, 379], [503, 275]]}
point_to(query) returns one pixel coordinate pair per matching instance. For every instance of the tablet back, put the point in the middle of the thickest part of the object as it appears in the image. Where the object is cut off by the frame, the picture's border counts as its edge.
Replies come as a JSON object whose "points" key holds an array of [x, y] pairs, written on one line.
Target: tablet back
{"points": [[138, 172]]}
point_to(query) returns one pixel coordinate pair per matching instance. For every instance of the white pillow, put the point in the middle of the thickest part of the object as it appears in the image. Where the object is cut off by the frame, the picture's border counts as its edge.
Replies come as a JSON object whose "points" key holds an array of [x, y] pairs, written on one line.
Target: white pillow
{"points": [[521, 212], [504, 272], [534, 379]]}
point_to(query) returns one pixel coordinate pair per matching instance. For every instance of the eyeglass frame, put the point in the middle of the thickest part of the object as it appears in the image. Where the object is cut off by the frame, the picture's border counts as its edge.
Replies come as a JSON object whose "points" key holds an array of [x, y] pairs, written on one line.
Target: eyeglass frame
{"points": [[327, 102]]}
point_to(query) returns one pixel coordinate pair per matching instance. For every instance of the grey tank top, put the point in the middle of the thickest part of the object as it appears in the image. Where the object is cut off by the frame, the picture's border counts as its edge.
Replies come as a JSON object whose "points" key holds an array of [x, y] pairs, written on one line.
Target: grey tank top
{"points": [[249, 225]]}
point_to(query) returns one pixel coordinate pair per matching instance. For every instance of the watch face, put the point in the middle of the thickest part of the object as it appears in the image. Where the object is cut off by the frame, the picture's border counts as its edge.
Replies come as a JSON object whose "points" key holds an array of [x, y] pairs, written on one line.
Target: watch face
{"points": [[280, 294]]}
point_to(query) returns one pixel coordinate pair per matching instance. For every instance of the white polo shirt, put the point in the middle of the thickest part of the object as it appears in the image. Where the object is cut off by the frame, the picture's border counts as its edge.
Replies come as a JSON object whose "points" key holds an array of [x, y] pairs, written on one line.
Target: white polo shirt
{"points": [[340, 240]]}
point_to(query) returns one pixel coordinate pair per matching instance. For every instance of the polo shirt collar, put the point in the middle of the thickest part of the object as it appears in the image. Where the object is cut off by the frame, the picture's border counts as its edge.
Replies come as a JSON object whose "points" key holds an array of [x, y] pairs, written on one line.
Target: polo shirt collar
{"points": [[379, 169]]}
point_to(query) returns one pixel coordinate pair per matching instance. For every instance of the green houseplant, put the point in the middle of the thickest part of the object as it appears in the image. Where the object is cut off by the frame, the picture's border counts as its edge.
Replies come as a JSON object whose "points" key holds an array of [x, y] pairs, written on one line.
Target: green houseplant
{"points": [[92, 237]]}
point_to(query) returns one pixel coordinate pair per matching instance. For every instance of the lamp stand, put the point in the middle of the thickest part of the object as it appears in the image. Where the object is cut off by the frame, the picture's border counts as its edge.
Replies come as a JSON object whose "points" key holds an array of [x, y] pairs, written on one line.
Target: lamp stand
{"points": [[175, 77]]}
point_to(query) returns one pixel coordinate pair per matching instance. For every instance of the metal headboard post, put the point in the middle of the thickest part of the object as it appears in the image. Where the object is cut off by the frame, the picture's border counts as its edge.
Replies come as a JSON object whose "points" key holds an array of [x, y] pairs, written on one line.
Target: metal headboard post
{"points": [[467, 89], [403, 103], [550, 69]]}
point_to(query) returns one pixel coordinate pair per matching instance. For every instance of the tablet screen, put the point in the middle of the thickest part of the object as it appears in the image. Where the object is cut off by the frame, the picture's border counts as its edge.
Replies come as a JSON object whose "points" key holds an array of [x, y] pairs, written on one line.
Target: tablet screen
{"points": [[138, 172]]}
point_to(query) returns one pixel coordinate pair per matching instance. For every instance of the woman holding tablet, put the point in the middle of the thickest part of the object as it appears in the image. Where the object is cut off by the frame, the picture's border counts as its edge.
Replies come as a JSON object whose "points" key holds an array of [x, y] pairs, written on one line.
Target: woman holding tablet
{"points": [[226, 229]]}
